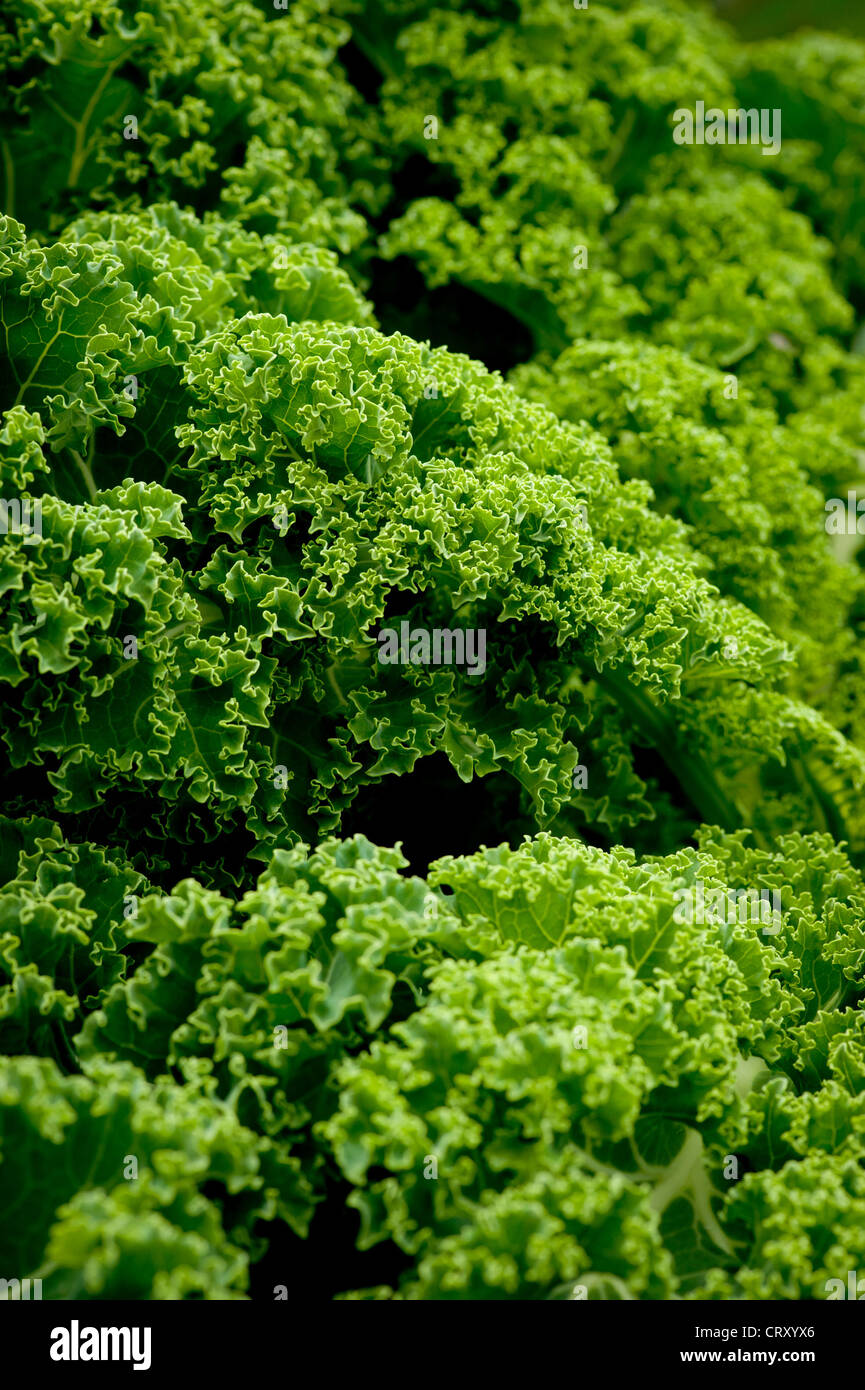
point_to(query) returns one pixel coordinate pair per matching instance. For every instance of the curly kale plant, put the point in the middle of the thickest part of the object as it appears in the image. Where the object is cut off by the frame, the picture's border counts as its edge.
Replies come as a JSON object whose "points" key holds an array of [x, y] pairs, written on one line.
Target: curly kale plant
{"points": [[353, 323]]}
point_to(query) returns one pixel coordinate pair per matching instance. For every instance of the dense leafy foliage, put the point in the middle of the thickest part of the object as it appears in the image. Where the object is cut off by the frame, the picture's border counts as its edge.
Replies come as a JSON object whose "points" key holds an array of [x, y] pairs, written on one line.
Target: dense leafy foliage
{"points": [[285, 365]]}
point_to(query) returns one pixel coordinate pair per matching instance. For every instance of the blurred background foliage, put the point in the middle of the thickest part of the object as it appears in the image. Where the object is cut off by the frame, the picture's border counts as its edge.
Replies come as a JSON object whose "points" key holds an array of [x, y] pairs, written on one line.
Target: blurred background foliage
{"points": [[759, 19]]}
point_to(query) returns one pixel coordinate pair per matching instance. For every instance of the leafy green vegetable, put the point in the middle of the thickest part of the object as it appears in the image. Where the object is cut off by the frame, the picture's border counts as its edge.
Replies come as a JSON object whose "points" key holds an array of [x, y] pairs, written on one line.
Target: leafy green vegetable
{"points": [[362, 319]]}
